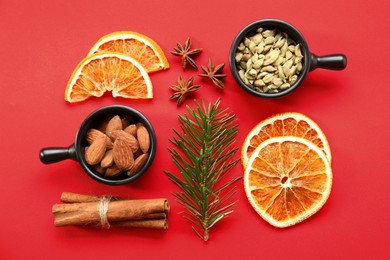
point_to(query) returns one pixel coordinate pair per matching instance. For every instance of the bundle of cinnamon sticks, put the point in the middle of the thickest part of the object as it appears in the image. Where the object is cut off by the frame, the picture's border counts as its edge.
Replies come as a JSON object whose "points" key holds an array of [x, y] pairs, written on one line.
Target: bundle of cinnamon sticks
{"points": [[107, 211]]}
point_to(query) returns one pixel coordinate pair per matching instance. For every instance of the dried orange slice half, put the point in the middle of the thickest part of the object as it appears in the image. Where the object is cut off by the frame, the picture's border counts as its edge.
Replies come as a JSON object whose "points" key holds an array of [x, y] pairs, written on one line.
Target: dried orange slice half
{"points": [[285, 124], [287, 180], [138, 46], [115, 72]]}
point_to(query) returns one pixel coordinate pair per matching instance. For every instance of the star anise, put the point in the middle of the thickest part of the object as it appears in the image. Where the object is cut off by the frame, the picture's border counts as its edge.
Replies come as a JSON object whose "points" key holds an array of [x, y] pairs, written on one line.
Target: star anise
{"points": [[214, 73], [186, 53], [183, 89]]}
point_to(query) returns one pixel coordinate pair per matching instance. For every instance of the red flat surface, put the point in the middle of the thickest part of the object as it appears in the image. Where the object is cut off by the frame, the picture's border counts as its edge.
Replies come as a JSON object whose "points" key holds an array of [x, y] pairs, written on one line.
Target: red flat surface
{"points": [[41, 43]]}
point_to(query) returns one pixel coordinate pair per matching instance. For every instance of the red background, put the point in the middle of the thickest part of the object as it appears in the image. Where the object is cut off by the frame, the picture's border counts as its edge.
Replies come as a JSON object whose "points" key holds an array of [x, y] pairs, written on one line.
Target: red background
{"points": [[41, 43]]}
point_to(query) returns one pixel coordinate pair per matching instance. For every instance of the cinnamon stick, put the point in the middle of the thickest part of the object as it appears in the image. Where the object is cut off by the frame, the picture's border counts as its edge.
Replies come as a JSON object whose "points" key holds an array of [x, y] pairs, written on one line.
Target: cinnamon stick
{"points": [[143, 223], [70, 197], [80, 209]]}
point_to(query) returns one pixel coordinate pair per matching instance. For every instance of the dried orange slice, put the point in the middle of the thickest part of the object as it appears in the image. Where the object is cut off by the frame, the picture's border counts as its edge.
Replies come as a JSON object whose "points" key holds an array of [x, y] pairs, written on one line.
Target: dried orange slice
{"points": [[140, 47], [285, 124], [115, 72], [287, 180]]}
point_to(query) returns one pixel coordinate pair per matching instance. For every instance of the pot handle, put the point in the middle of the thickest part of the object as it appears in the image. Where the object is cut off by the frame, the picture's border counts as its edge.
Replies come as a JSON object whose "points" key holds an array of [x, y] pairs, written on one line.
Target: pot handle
{"points": [[331, 62], [56, 154]]}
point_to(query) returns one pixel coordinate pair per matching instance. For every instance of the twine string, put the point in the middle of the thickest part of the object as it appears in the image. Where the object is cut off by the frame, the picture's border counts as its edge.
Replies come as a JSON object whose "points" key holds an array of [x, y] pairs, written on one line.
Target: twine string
{"points": [[103, 208]]}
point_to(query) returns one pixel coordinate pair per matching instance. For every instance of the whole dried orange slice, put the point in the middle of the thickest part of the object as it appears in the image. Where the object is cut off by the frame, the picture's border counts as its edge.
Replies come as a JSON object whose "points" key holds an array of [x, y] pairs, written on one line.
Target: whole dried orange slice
{"points": [[115, 72], [138, 46], [287, 180], [285, 124]]}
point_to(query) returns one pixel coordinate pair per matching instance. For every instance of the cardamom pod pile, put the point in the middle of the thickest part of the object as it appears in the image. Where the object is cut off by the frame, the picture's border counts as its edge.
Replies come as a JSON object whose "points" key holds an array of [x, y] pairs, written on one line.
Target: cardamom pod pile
{"points": [[269, 61]]}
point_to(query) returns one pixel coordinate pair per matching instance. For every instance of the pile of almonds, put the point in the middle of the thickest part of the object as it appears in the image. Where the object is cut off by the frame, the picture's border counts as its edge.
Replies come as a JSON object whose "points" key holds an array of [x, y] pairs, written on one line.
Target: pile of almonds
{"points": [[117, 147]]}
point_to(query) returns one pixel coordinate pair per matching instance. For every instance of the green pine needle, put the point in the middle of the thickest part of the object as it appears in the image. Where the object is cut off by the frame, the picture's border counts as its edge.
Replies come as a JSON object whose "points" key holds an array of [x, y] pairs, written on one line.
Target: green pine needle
{"points": [[203, 156]]}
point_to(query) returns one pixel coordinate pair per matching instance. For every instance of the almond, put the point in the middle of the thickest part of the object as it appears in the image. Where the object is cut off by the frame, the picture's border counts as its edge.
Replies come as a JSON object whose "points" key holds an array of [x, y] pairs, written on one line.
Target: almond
{"points": [[131, 129], [122, 153], [108, 159], [115, 134], [115, 123], [138, 164], [143, 137], [92, 134], [96, 151], [113, 171], [99, 169], [131, 140]]}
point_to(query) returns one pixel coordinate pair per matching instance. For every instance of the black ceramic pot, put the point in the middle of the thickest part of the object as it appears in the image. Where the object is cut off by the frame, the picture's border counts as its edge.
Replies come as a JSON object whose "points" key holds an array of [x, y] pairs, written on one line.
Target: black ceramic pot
{"points": [[75, 151], [310, 61]]}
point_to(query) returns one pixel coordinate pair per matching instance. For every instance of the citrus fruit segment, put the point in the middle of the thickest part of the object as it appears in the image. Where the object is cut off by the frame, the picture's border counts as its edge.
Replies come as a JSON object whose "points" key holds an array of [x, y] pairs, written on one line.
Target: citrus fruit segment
{"points": [[285, 124], [140, 47], [115, 72], [287, 180]]}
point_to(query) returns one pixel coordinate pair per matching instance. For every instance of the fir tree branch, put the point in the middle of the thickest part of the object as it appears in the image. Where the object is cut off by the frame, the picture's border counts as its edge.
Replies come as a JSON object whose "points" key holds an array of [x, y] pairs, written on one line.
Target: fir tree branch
{"points": [[206, 151]]}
